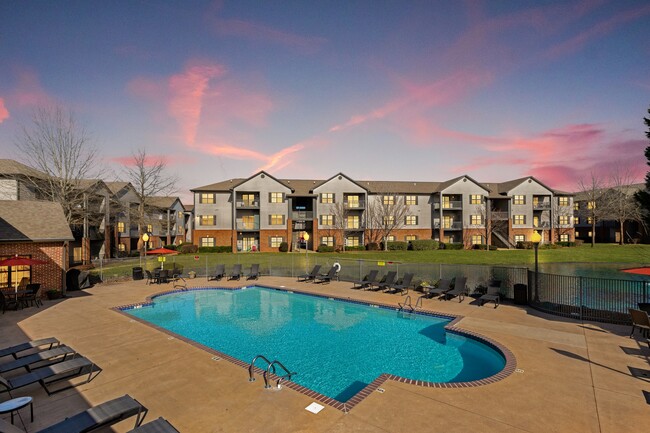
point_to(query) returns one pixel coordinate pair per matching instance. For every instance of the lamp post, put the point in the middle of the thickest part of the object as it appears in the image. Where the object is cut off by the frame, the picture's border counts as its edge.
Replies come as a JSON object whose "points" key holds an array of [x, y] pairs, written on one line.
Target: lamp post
{"points": [[536, 238], [145, 239], [306, 238]]}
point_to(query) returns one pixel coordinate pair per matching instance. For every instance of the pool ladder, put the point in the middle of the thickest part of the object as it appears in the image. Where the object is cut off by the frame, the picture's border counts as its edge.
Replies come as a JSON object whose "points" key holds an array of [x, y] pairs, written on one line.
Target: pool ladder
{"points": [[270, 369], [407, 304]]}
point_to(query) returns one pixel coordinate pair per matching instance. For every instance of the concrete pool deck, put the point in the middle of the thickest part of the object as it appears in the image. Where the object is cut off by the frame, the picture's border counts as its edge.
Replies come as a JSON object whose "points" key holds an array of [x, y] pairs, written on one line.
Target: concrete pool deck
{"points": [[573, 376]]}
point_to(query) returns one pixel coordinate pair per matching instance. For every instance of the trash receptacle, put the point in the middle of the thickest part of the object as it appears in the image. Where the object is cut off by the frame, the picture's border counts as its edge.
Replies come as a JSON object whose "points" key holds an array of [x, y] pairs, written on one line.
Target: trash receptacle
{"points": [[521, 294], [137, 273]]}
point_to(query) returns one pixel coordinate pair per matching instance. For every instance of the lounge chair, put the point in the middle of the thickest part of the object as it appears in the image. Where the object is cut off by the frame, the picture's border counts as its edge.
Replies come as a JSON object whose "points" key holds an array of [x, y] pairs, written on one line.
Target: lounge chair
{"points": [[640, 321], [444, 285], [47, 375], [255, 272], [236, 272], [160, 425], [310, 276], [219, 273], [42, 344], [323, 278], [402, 286], [492, 294], [387, 281], [366, 281], [459, 290], [39, 359]]}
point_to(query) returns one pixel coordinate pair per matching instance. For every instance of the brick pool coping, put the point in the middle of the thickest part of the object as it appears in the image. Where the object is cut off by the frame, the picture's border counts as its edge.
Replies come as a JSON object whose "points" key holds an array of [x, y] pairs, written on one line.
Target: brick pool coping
{"points": [[508, 369]]}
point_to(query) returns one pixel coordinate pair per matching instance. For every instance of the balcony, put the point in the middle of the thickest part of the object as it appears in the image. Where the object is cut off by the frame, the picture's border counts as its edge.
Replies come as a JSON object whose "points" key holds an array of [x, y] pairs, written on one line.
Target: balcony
{"points": [[360, 205], [499, 216], [247, 204], [543, 205], [450, 205], [545, 225], [247, 226], [302, 215], [449, 226]]}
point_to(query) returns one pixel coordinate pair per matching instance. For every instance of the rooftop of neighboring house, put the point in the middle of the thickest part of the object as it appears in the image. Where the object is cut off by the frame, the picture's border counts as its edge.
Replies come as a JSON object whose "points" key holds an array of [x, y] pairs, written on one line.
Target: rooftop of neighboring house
{"points": [[163, 202], [36, 221], [627, 189], [9, 167]]}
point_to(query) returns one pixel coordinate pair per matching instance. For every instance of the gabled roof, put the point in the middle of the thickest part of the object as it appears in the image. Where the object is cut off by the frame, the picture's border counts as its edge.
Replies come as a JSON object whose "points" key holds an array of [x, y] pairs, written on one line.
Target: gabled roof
{"points": [[263, 173], [13, 168], [164, 202], [223, 186], [36, 221], [446, 184], [504, 188], [397, 187], [339, 174], [117, 186]]}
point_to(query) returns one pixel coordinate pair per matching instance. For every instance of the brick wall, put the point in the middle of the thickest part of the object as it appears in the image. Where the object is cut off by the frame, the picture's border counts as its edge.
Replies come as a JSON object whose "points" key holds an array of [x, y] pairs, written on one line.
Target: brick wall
{"points": [[265, 239], [221, 237], [49, 275]]}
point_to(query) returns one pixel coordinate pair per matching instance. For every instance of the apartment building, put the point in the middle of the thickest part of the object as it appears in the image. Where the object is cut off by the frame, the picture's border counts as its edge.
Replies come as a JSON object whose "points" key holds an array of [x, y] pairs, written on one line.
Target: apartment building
{"points": [[260, 212]]}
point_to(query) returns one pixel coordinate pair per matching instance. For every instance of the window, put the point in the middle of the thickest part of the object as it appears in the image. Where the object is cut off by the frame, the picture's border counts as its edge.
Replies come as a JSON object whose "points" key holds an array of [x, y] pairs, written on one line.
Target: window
{"points": [[120, 227], [327, 197], [535, 201], [275, 241], [208, 220], [390, 238], [276, 220], [411, 199], [564, 237], [327, 240], [576, 206], [207, 242], [121, 247], [77, 254], [327, 220], [520, 238], [411, 238], [352, 241], [589, 234], [475, 199], [180, 214], [352, 222], [446, 202], [577, 234], [476, 220], [388, 199], [535, 221], [590, 220], [477, 239], [519, 219], [389, 220], [248, 222], [149, 228], [448, 222], [519, 199], [276, 197], [591, 205], [206, 198], [564, 220], [577, 220], [353, 201], [563, 201], [248, 200], [411, 220]]}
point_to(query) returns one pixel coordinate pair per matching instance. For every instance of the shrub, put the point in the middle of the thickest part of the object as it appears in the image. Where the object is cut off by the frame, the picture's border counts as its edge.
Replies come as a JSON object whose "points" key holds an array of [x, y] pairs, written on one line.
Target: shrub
{"points": [[372, 246], [525, 245], [170, 247], [284, 247], [454, 246], [359, 248], [325, 249], [217, 249], [134, 253], [425, 245], [483, 247], [397, 246], [189, 249]]}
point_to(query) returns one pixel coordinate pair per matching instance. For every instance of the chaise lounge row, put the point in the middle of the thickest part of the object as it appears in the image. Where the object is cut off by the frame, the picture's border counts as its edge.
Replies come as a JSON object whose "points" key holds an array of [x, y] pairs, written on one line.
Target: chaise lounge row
{"points": [[236, 274]]}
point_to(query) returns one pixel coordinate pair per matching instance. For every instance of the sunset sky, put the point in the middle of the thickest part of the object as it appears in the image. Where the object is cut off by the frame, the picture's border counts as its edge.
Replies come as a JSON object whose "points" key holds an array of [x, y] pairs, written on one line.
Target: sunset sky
{"points": [[378, 90]]}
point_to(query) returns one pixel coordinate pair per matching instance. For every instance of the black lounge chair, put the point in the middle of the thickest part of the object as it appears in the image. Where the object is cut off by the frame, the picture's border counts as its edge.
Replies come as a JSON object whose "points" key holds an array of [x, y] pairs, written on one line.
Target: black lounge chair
{"points": [[387, 281], [255, 272], [640, 321], [310, 276], [403, 286], [160, 425], [219, 273], [492, 294], [236, 272], [323, 278], [39, 359], [34, 345], [444, 285], [48, 375], [459, 290], [366, 281]]}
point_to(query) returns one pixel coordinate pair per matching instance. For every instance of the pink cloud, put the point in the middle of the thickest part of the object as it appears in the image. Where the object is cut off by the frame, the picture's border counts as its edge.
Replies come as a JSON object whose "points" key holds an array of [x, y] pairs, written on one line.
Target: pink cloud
{"points": [[4, 113], [28, 91], [275, 161]]}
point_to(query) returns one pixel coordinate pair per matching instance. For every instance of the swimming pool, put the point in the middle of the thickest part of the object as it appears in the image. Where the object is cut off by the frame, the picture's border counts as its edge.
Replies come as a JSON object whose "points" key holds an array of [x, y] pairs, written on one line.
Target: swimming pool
{"points": [[336, 347]]}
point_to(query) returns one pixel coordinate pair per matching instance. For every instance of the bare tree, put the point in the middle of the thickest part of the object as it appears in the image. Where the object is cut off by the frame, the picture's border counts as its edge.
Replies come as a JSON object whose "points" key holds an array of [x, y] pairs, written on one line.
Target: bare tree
{"points": [[622, 205], [384, 215], [593, 192], [150, 179], [340, 223], [562, 214], [493, 220]]}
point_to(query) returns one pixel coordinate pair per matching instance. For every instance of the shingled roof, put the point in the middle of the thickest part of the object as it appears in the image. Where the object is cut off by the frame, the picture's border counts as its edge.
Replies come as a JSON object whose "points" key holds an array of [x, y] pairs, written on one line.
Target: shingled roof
{"points": [[36, 221], [13, 168]]}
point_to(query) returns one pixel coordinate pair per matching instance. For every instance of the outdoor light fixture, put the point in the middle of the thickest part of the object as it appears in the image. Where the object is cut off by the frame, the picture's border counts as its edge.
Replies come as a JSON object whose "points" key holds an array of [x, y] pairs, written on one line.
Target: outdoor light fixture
{"points": [[305, 236], [536, 238]]}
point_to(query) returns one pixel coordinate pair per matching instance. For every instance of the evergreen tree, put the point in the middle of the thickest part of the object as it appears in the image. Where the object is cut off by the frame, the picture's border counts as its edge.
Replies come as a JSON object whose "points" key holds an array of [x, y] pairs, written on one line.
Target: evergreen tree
{"points": [[643, 197]]}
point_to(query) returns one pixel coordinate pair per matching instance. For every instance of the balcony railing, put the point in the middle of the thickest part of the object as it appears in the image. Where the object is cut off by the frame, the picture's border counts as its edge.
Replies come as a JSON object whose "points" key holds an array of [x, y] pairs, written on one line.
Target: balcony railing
{"points": [[452, 205], [302, 215], [542, 225], [248, 204], [247, 226], [499, 216], [544, 205], [449, 226], [354, 204]]}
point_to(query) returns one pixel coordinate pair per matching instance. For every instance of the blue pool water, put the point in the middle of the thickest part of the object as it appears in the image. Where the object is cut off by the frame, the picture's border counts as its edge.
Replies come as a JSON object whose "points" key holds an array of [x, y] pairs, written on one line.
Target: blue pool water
{"points": [[336, 347]]}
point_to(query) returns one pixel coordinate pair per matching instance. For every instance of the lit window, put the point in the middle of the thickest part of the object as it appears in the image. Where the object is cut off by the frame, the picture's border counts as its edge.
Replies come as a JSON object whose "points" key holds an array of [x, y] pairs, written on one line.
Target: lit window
{"points": [[448, 222], [208, 220], [276, 220], [519, 199], [589, 234], [327, 197], [353, 201], [590, 220], [206, 198], [535, 221], [327, 240], [411, 220], [520, 238], [411, 238], [121, 247], [411, 199], [327, 220], [248, 200], [352, 222], [564, 219], [476, 220], [77, 254], [564, 237], [388, 199], [446, 202], [149, 228], [276, 197], [519, 219], [577, 220], [576, 206], [477, 239], [389, 220], [207, 242], [120, 227], [248, 222], [276, 241], [591, 205], [563, 201], [390, 238], [476, 199], [352, 241]]}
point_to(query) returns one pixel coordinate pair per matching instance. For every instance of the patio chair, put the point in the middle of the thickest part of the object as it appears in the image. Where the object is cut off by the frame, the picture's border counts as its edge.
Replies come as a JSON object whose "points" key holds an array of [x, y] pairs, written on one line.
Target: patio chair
{"points": [[310, 276], [160, 425], [402, 286], [640, 321], [39, 359], [163, 276], [219, 273], [459, 290], [386, 282], [33, 295], [32, 346], [255, 272], [8, 302], [366, 281], [236, 272], [326, 278], [444, 285], [46, 376], [493, 294]]}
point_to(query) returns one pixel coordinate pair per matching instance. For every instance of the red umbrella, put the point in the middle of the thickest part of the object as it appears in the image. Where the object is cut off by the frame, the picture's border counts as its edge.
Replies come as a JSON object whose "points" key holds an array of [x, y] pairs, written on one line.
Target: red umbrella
{"points": [[20, 261], [162, 251]]}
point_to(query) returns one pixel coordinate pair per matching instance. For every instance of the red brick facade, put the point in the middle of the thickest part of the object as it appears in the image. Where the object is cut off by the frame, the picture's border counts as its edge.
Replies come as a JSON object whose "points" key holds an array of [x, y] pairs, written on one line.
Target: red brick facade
{"points": [[50, 275]]}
